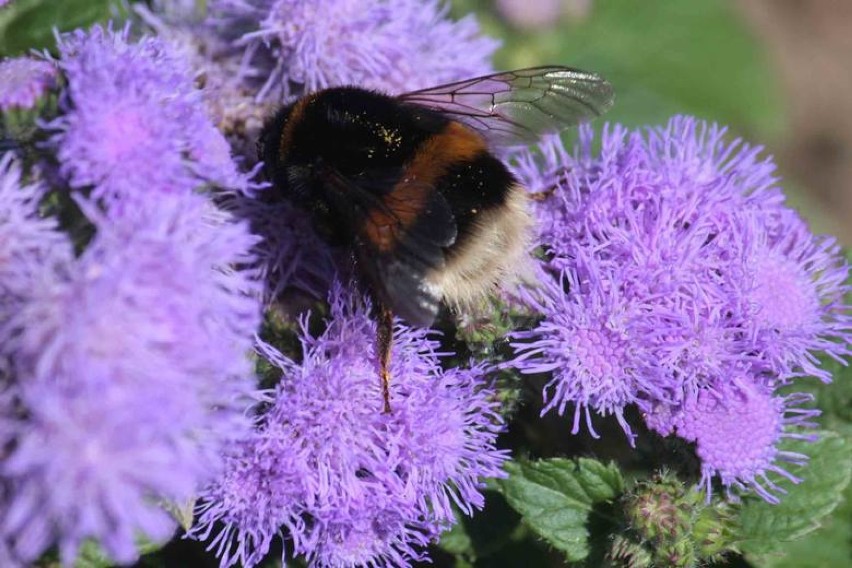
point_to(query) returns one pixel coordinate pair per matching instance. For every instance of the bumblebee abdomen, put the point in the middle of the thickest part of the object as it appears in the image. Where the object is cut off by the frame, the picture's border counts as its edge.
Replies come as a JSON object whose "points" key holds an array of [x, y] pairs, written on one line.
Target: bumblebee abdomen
{"points": [[490, 212]]}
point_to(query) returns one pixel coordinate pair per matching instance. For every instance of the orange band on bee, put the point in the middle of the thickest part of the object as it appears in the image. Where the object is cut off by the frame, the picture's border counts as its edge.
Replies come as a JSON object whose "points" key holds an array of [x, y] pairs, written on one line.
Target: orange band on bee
{"points": [[456, 143], [411, 194]]}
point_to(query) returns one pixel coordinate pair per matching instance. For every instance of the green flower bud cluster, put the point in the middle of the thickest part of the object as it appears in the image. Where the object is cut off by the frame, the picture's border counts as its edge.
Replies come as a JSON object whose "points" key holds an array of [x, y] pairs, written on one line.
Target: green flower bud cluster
{"points": [[668, 524]]}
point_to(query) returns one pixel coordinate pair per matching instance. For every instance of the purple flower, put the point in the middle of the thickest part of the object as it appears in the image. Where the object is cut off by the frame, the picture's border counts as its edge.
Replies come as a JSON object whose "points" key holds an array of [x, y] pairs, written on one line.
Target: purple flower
{"points": [[31, 247], [131, 373], [290, 46], [794, 290], [588, 341], [227, 98], [674, 266], [352, 485], [259, 493], [23, 80], [736, 431], [133, 122]]}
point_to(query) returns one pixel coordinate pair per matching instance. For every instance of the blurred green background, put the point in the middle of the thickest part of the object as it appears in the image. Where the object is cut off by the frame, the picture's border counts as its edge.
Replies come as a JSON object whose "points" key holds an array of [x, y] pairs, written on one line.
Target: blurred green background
{"points": [[777, 72]]}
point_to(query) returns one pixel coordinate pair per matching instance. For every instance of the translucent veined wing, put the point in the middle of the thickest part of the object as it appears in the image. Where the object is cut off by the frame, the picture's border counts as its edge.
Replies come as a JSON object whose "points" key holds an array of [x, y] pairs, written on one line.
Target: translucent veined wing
{"points": [[516, 107], [400, 230]]}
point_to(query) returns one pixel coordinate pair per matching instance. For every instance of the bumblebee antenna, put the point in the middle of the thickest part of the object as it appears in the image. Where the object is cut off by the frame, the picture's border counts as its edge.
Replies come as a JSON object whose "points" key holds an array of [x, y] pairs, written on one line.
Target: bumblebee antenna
{"points": [[384, 341]]}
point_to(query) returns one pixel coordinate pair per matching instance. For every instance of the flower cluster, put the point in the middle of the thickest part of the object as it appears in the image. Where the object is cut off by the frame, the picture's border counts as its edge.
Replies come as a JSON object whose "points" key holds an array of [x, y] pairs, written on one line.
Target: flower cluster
{"points": [[133, 123], [351, 484], [291, 46], [124, 371], [677, 280], [24, 80]]}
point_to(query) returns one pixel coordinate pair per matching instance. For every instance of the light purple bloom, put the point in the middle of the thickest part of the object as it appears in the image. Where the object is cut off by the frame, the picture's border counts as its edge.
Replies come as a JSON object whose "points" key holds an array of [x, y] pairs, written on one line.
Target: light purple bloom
{"points": [[134, 123], [355, 486], [291, 46], [794, 289], [132, 373], [31, 247], [217, 65], [588, 341], [737, 430], [684, 266], [23, 80]]}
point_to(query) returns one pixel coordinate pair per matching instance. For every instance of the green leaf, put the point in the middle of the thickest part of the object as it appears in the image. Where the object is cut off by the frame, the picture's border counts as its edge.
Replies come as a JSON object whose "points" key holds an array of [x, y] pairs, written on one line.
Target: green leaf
{"points": [[805, 507], [556, 497], [835, 399], [29, 24], [455, 540], [92, 555]]}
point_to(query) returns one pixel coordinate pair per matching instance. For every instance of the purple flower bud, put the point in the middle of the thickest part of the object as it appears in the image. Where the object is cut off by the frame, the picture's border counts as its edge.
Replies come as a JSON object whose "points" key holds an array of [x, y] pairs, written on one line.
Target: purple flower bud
{"points": [[23, 80]]}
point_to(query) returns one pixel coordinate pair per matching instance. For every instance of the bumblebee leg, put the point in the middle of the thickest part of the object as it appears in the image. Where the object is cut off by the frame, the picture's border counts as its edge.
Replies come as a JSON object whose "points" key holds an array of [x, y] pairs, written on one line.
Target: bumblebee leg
{"points": [[384, 341]]}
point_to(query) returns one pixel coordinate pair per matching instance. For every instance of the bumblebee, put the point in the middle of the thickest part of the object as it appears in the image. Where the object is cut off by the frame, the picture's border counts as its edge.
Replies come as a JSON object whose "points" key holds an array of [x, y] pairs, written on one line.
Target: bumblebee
{"points": [[411, 184]]}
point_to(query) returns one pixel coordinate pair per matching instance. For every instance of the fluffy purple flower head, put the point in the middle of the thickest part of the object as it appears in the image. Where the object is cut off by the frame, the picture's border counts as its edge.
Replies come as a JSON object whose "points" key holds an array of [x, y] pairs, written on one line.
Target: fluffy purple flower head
{"points": [[294, 46], [737, 430], [695, 228], [258, 497], [588, 341], [353, 485], [31, 247], [691, 231], [794, 289], [133, 374], [23, 80], [133, 122]]}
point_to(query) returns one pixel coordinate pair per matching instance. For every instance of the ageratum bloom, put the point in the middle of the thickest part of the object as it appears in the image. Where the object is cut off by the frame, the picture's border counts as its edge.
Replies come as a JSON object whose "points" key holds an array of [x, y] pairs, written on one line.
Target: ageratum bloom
{"points": [[293, 46], [23, 80], [228, 99], [589, 342], [353, 485], [685, 264], [131, 373], [737, 430], [31, 247], [133, 122]]}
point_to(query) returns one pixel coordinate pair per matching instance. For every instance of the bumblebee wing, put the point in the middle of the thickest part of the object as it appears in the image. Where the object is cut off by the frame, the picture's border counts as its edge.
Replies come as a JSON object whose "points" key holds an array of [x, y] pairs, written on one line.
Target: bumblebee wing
{"points": [[516, 107], [400, 241]]}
